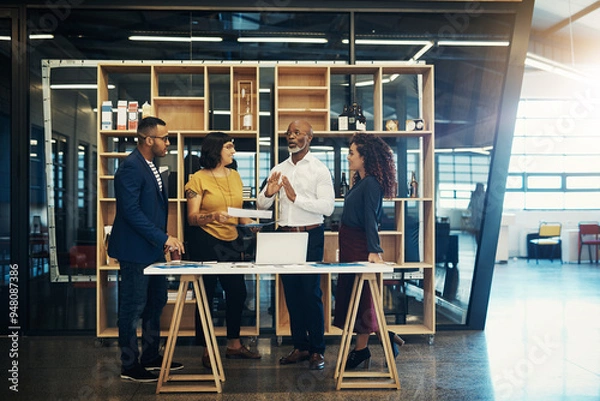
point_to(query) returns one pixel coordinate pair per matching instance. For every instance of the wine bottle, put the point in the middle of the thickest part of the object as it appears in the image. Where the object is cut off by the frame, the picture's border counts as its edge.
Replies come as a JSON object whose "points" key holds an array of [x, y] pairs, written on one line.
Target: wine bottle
{"points": [[352, 117], [344, 187], [343, 119], [361, 120], [413, 186]]}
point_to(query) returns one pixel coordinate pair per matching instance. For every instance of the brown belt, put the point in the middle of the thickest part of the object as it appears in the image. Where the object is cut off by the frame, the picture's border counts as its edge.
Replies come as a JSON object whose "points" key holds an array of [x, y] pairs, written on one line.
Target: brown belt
{"points": [[298, 229]]}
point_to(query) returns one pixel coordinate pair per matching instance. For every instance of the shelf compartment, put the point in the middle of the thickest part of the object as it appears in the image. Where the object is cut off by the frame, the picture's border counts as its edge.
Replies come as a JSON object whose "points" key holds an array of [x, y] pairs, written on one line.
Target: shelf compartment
{"points": [[295, 76], [310, 98], [180, 113], [106, 186], [318, 118]]}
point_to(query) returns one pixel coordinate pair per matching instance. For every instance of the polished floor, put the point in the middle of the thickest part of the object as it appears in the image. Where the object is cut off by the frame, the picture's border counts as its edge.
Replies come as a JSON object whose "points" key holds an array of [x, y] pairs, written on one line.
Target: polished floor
{"points": [[541, 342]]}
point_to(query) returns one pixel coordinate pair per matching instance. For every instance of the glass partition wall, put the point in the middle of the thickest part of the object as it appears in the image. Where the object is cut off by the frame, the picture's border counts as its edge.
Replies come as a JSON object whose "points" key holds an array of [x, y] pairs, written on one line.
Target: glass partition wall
{"points": [[468, 49]]}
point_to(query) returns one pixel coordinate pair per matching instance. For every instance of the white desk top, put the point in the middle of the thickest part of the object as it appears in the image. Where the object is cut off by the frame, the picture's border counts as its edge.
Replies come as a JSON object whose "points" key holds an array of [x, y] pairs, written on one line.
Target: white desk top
{"points": [[198, 268]]}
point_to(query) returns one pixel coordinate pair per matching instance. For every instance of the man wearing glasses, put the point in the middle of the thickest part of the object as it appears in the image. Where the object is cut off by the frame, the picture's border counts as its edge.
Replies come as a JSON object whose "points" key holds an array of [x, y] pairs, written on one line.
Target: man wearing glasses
{"points": [[306, 194], [139, 238]]}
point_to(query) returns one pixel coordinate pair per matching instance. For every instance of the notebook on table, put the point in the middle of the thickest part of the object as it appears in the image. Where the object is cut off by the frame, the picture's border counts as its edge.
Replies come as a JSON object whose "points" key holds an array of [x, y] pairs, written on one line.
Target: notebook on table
{"points": [[281, 248]]}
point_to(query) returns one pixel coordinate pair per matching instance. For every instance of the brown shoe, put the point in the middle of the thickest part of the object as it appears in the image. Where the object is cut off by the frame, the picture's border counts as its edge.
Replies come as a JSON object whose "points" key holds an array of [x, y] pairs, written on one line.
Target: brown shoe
{"points": [[206, 361], [295, 356], [317, 361], [241, 353]]}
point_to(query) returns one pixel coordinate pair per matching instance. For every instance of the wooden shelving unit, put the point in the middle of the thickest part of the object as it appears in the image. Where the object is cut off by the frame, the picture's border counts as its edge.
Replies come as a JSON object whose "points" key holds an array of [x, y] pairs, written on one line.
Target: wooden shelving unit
{"points": [[180, 95], [305, 92]]}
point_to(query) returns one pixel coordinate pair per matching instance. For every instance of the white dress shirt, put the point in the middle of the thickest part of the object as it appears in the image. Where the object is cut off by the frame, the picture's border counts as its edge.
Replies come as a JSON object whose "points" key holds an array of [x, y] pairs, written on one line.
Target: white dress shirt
{"points": [[313, 185]]}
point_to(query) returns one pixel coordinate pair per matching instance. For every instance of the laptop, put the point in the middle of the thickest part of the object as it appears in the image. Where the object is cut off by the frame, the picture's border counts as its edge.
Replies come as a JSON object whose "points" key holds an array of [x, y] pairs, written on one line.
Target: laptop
{"points": [[281, 248]]}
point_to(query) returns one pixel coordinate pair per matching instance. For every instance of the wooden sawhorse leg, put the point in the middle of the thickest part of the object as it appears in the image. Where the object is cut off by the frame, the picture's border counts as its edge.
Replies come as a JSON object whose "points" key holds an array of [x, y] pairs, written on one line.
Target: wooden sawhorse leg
{"points": [[392, 380], [217, 375]]}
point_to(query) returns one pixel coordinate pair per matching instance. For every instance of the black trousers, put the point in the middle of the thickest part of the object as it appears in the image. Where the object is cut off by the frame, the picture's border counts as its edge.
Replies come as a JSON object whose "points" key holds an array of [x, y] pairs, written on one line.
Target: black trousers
{"points": [[204, 247], [303, 297]]}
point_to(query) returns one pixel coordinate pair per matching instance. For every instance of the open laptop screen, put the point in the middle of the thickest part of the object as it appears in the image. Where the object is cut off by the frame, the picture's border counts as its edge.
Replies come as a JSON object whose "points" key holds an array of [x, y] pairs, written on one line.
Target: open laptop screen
{"points": [[281, 248]]}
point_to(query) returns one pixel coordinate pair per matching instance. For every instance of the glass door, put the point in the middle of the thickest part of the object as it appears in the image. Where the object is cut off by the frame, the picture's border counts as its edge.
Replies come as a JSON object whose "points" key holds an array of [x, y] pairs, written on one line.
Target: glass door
{"points": [[9, 279]]}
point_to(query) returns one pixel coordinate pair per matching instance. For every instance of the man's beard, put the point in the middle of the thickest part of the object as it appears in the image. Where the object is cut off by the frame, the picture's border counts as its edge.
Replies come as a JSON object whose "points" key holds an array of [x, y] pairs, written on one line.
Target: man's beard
{"points": [[296, 149]]}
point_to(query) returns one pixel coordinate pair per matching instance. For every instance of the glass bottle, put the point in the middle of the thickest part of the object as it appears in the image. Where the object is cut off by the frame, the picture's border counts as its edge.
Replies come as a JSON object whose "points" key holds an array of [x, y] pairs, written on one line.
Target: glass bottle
{"points": [[343, 119], [352, 117], [413, 186], [361, 120], [146, 109], [344, 187], [247, 118]]}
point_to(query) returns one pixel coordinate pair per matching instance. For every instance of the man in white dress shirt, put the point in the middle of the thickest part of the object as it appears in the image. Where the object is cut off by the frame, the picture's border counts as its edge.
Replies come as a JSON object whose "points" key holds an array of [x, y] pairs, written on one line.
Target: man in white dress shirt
{"points": [[306, 194]]}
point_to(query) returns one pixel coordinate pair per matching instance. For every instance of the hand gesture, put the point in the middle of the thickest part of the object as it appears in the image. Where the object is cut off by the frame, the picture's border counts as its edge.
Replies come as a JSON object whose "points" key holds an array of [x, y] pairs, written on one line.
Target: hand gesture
{"points": [[273, 184], [289, 190]]}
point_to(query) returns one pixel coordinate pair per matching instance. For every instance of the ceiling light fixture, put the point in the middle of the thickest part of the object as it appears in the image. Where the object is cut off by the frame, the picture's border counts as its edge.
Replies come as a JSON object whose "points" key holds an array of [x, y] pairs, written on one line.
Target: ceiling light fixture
{"points": [[421, 52], [279, 39], [474, 43], [186, 39], [32, 37], [545, 64], [41, 36], [389, 42], [78, 86]]}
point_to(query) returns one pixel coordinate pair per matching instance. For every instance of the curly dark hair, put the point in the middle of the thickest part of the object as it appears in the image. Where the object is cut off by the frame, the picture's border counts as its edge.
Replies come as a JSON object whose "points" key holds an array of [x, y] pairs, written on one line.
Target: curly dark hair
{"points": [[212, 145], [379, 161]]}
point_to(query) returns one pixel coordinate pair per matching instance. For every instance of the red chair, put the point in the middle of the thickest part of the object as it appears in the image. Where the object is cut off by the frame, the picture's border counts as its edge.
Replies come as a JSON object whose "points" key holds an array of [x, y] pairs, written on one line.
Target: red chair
{"points": [[589, 234]]}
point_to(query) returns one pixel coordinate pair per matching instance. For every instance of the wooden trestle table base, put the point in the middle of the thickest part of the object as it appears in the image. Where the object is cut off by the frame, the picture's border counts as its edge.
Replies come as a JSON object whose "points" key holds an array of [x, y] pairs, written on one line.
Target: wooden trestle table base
{"points": [[192, 272]]}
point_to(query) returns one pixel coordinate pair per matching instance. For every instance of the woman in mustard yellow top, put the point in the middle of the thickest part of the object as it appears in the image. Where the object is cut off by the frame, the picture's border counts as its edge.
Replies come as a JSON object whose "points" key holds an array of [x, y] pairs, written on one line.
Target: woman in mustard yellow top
{"points": [[212, 233]]}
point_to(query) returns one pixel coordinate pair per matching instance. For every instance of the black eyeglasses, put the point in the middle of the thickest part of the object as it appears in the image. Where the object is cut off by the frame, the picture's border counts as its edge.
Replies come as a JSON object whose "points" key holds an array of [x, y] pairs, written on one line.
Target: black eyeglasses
{"points": [[164, 138]]}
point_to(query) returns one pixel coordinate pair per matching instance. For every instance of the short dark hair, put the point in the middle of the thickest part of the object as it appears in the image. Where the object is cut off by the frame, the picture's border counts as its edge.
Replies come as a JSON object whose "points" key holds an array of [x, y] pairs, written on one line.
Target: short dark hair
{"points": [[212, 145], [148, 124]]}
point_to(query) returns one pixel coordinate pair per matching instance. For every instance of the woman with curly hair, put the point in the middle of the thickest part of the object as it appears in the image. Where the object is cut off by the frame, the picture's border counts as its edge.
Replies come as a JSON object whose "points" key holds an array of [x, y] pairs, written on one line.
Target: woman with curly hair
{"points": [[374, 178]]}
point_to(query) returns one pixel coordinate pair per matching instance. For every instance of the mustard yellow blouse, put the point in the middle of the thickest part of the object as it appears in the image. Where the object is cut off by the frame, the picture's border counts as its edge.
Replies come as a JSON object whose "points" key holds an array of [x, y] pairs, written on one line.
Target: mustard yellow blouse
{"points": [[218, 193]]}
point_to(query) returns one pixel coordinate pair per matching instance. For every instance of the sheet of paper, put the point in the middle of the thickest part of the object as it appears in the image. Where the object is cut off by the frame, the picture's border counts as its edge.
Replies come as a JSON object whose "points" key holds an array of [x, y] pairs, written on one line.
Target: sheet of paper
{"points": [[252, 214]]}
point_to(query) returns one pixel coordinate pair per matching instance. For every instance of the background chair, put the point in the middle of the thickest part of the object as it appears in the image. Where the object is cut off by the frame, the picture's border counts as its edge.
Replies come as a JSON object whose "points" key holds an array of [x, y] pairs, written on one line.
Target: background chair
{"points": [[589, 234], [548, 236]]}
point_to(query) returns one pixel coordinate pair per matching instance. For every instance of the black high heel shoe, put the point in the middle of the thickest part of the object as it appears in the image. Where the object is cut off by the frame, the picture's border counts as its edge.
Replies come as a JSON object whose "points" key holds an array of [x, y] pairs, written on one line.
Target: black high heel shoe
{"points": [[396, 342], [355, 358]]}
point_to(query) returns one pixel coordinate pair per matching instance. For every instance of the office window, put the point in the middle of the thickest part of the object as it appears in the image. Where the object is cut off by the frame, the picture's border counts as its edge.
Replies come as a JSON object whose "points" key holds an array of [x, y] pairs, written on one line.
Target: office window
{"points": [[555, 156], [458, 173], [82, 184]]}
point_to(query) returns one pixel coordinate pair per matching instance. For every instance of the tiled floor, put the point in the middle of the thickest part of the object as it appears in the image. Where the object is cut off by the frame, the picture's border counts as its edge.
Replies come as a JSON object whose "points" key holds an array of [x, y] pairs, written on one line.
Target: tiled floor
{"points": [[541, 342]]}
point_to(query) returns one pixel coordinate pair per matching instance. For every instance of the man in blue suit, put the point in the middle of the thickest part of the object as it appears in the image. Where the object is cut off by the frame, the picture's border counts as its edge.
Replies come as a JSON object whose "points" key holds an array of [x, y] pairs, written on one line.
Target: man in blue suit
{"points": [[139, 238]]}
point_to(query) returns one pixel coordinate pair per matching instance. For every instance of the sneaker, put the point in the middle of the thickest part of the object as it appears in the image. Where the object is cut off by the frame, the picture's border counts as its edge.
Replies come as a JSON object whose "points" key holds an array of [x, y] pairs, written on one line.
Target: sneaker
{"points": [[157, 365], [138, 374]]}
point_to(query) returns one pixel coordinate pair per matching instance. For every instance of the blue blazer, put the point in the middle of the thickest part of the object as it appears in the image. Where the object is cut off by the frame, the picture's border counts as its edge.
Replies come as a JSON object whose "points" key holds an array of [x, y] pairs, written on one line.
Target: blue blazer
{"points": [[140, 228]]}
